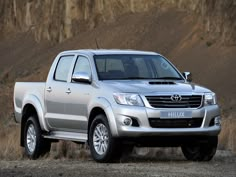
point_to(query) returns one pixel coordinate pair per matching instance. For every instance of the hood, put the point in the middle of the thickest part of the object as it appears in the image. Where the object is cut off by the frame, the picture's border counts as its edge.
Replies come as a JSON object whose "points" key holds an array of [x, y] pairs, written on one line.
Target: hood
{"points": [[137, 86]]}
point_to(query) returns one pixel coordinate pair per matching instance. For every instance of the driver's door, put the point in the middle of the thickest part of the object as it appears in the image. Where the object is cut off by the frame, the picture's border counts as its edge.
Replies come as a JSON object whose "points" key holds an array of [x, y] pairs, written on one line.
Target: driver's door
{"points": [[76, 102]]}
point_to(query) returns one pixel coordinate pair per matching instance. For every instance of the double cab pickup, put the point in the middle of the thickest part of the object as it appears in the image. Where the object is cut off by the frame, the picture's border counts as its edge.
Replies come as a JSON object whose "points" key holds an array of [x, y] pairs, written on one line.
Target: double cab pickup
{"points": [[112, 99]]}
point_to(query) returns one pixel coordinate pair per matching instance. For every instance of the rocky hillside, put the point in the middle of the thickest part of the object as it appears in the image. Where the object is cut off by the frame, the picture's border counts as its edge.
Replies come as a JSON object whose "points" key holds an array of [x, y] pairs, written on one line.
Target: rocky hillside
{"points": [[196, 35], [57, 20]]}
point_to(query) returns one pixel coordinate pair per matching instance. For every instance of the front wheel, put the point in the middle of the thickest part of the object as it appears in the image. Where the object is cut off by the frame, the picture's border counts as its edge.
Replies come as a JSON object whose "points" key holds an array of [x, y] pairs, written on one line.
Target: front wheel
{"points": [[197, 151], [103, 147], [35, 144]]}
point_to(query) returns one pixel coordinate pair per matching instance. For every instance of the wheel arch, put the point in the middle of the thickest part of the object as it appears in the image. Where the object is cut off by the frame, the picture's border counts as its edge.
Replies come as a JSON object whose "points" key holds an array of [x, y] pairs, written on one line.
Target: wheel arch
{"points": [[32, 106], [28, 110], [94, 112], [102, 106], [38, 105]]}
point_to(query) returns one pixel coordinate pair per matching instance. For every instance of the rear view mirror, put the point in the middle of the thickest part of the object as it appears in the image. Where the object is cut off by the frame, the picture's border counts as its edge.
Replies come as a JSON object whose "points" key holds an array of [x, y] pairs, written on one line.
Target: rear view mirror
{"points": [[81, 77], [187, 76]]}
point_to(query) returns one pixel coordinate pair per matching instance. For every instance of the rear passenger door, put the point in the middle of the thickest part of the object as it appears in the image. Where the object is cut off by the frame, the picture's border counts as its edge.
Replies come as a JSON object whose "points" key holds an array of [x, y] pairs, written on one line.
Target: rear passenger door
{"points": [[55, 93]]}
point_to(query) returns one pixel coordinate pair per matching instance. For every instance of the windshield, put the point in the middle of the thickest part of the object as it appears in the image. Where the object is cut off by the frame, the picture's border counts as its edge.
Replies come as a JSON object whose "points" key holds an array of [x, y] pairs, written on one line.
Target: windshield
{"points": [[124, 67]]}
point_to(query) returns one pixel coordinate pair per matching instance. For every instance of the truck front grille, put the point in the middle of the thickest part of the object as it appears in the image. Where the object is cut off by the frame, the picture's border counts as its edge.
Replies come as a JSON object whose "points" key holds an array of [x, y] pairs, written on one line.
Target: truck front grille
{"points": [[165, 101], [175, 123]]}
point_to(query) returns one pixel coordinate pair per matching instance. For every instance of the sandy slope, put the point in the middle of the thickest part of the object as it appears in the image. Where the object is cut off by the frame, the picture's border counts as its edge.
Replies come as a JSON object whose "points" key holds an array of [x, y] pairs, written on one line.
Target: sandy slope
{"points": [[175, 34]]}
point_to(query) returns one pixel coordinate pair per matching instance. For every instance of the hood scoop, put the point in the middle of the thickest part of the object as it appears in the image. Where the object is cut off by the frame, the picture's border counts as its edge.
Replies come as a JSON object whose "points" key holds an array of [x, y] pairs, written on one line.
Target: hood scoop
{"points": [[161, 83]]}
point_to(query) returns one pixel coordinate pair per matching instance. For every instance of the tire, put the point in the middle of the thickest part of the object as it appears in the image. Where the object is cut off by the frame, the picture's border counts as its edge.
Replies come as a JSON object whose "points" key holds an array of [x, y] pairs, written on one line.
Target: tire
{"points": [[198, 151], [103, 147], [35, 145]]}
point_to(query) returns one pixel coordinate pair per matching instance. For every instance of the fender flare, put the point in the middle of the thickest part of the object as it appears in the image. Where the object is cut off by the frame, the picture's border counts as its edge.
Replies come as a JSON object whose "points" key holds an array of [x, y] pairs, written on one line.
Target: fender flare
{"points": [[104, 104], [35, 101]]}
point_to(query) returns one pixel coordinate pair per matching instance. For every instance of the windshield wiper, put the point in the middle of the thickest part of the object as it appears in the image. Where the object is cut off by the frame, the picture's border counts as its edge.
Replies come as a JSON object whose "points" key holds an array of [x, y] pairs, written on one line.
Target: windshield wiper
{"points": [[170, 78]]}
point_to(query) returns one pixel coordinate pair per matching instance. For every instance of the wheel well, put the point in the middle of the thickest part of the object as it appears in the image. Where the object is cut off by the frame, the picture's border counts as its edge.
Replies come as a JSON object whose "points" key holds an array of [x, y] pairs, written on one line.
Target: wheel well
{"points": [[95, 111], [28, 110]]}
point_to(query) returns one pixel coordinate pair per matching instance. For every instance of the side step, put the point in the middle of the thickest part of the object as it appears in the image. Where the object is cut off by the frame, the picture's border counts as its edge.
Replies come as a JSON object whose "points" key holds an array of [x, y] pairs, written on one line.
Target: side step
{"points": [[71, 136]]}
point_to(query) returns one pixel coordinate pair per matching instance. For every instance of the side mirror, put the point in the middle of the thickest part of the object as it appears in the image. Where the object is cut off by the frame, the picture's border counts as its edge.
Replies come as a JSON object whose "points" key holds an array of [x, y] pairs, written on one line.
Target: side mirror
{"points": [[187, 76], [81, 77]]}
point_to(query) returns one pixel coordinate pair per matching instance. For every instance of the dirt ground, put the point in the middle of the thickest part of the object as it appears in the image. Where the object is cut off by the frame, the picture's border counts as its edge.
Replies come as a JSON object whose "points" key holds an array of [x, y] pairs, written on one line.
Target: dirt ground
{"points": [[223, 164]]}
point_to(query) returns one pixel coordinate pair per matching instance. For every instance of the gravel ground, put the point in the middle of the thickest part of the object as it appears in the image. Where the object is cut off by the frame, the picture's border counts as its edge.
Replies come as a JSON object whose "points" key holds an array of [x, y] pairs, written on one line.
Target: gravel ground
{"points": [[224, 164]]}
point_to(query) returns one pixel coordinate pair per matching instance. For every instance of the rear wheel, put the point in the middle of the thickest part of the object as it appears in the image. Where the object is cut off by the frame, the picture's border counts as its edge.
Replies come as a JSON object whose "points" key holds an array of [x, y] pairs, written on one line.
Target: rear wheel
{"points": [[35, 144], [103, 147], [197, 151]]}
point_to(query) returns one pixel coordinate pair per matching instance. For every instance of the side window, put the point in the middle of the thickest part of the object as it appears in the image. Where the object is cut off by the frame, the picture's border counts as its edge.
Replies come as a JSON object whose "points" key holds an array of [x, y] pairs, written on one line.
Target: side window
{"points": [[63, 68], [82, 65]]}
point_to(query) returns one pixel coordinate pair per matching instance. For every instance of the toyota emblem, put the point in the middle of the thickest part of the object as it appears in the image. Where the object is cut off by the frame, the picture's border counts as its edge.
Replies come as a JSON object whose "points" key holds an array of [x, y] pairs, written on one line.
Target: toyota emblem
{"points": [[176, 98]]}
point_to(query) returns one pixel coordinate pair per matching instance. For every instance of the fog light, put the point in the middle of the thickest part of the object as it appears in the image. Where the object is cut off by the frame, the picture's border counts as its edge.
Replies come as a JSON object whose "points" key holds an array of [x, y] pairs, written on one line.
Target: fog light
{"points": [[217, 121], [127, 121]]}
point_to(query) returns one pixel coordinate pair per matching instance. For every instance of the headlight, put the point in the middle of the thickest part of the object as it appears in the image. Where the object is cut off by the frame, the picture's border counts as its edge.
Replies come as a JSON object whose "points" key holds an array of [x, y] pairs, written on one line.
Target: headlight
{"points": [[209, 99], [128, 99]]}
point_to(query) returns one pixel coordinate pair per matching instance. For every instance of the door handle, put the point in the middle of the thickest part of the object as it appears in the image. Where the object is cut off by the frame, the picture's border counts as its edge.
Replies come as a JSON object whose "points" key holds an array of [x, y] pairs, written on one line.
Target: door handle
{"points": [[49, 89], [68, 91]]}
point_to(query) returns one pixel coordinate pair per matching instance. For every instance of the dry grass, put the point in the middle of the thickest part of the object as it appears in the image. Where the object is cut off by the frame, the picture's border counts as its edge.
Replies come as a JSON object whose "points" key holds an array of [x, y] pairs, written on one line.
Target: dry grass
{"points": [[68, 150], [9, 143], [227, 136]]}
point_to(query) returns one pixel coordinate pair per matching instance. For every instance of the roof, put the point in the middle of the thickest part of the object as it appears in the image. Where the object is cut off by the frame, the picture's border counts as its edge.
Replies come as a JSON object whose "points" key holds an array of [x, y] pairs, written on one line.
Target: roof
{"points": [[109, 52]]}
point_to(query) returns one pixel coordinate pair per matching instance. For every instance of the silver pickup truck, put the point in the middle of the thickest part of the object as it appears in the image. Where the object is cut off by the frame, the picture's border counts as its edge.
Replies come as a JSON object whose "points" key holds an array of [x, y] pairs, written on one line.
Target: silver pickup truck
{"points": [[112, 99]]}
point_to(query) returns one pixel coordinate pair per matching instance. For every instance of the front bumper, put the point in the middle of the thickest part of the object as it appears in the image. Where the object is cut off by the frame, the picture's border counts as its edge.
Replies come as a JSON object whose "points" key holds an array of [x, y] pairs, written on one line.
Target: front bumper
{"points": [[141, 114]]}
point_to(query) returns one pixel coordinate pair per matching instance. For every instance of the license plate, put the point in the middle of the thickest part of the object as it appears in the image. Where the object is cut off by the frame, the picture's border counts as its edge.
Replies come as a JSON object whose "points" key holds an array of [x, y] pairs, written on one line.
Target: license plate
{"points": [[176, 114]]}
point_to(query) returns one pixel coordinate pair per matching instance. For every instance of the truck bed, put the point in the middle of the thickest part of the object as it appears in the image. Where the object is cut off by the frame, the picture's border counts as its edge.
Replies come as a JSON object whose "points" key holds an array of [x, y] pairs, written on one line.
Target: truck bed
{"points": [[24, 90]]}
